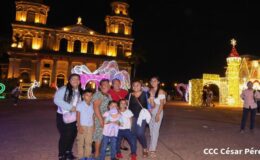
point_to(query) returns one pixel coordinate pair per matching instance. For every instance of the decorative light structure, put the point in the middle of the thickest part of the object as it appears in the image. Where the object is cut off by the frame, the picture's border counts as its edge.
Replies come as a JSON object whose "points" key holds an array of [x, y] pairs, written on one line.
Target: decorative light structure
{"points": [[30, 94], [108, 70], [230, 86], [2, 89], [232, 74]]}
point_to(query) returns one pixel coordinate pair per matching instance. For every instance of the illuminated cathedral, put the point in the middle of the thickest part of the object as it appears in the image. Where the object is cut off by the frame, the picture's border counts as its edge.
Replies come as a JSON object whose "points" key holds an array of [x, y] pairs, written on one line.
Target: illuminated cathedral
{"points": [[240, 70], [47, 55]]}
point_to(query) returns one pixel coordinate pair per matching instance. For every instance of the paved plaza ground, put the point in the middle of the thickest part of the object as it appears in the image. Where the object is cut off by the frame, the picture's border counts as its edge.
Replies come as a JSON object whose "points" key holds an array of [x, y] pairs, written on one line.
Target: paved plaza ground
{"points": [[28, 132]]}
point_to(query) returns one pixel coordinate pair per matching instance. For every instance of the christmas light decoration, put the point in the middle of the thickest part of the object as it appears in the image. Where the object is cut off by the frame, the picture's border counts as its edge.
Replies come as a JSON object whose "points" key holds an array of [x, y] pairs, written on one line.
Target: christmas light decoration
{"points": [[2, 89], [108, 70], [30, 94]]}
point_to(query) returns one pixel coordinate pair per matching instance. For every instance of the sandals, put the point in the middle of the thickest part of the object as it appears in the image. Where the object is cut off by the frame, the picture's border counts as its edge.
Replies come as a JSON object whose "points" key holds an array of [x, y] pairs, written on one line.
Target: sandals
{"points": [[145, 153], [153, 154]]}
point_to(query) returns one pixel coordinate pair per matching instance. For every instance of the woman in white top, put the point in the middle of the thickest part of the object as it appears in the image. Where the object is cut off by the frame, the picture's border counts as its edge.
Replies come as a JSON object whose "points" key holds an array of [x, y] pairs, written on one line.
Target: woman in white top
{"points": [[157, 100], [66, 98]]}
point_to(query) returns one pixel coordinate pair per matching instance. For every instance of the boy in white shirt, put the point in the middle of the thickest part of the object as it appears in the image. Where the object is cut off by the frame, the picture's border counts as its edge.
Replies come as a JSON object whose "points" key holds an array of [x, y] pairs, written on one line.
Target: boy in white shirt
{"points": [[85, 125], [250, 97], [125, 130]]}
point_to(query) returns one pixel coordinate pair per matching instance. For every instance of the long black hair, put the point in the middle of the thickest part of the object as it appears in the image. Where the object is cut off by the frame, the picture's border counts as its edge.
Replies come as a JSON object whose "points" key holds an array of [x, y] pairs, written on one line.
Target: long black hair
{"points": [[69, 92], [158, 87]]}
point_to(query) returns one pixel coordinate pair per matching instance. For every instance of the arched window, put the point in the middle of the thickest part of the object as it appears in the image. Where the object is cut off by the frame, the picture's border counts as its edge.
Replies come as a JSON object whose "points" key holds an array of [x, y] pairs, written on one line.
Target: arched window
{"points": [[91, 47], [63, 45], [25, 77], [77, 46], [30, 16], [121, 28], [46, 78], [60, 80], [120, 51]]}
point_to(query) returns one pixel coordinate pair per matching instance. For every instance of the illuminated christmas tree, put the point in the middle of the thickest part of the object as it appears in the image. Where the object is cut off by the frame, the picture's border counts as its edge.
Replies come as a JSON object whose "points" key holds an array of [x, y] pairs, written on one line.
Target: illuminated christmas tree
{"points": [[233, 69]]}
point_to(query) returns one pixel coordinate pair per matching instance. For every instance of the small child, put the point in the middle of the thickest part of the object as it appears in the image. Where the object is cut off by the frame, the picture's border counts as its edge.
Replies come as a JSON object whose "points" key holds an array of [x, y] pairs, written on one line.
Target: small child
{"points": [[110, 131], [125, 130], [85, 125]]}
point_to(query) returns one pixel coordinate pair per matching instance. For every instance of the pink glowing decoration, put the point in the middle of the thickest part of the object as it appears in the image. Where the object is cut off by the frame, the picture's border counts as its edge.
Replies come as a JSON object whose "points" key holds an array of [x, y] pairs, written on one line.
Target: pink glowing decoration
{"points": [[186, 90], [108, 70]]}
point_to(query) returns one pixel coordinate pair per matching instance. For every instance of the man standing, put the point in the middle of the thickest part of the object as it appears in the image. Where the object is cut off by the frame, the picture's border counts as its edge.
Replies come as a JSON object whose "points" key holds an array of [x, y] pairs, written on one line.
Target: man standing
{"points": [[250, 97]]}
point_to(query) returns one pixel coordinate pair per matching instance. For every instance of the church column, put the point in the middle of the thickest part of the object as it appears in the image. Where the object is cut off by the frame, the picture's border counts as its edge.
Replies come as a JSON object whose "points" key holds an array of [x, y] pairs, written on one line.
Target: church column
{"points": [[38, 69], [69, 67], [54, 69], [11, 68], [33, 71], [16, 69]]}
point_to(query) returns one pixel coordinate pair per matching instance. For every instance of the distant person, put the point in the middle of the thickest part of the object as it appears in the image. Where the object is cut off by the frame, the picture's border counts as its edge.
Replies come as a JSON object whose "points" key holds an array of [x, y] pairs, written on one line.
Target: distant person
{"points": [[210, 98], [85, 125], [204, 98], [15, 94], [249, 96]]}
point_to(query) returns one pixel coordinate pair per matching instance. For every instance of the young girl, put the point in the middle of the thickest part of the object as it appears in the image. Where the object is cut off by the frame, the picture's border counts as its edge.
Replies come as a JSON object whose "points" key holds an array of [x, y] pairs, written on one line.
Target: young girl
{"points": [[125, 130], [110, 131]]}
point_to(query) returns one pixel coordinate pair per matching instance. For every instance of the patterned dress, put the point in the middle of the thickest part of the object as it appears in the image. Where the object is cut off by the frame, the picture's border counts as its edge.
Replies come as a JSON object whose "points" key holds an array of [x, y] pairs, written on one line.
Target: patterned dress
{"points": [[98, 134]]}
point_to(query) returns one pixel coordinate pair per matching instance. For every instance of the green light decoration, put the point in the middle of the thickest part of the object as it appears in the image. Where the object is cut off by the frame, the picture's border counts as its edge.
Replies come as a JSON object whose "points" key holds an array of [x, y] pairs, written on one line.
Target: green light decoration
{"points": [[2, 89]]}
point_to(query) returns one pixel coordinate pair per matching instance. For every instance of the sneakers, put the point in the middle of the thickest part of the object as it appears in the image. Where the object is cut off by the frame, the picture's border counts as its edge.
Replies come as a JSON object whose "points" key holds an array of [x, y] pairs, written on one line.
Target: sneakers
{"points": [[133, 157], [70, 156], [242, 131], [119, 155]]}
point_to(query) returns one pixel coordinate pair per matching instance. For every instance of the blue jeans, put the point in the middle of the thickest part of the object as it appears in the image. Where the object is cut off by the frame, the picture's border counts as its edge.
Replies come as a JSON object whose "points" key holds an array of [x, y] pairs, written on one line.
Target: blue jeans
{"points": [[128, 135], [104, 143], [252, 118], [139, 132]]}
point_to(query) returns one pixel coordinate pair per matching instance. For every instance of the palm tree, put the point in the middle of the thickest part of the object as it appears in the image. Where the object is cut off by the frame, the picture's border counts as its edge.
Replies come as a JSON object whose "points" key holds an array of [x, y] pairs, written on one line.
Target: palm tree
{"points": [[137, 58]]}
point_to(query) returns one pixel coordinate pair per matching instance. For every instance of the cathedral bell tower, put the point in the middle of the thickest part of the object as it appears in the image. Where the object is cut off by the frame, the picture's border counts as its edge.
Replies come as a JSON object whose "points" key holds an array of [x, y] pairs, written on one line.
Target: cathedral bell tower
{"points": [[119, 23], [31, 11]]}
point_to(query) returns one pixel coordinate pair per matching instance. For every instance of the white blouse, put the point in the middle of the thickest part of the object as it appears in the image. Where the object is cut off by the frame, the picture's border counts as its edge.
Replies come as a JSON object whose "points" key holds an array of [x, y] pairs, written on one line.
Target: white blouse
{"points": [[159, 98]]}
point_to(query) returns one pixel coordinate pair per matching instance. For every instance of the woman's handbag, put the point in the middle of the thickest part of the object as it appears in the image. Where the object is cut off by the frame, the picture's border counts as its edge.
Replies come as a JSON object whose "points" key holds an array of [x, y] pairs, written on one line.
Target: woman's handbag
{"points": [[69, 117]]}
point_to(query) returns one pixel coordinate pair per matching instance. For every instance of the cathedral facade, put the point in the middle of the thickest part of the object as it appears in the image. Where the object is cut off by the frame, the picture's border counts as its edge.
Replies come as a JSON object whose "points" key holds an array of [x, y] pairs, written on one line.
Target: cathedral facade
{"points": [[47, 55]]}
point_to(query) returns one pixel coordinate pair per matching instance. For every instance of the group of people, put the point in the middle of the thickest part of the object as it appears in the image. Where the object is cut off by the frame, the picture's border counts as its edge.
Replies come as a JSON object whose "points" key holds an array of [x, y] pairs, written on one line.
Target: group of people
{"points": [[207, 98], [109, 117]]}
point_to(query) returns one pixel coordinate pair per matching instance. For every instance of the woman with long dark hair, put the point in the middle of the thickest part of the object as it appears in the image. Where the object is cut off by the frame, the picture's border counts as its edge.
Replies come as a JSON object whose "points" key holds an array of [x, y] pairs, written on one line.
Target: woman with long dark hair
{"points": [[138, 101], [157, 100], [66, 98]]}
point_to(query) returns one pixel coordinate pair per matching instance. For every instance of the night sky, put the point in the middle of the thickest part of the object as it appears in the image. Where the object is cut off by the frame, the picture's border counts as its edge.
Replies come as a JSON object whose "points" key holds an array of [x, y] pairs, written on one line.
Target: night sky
{"points": [[181, 39]]}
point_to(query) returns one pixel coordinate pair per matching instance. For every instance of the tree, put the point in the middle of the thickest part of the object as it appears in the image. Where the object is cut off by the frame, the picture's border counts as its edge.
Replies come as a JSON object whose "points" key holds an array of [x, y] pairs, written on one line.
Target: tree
{"points": [[138, 57]]}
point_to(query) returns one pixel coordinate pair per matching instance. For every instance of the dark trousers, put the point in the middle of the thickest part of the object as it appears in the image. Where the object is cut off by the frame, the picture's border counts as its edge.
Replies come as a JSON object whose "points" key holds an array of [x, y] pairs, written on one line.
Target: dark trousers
{"points": [[139, 132], [128, 135], [258, 106], [252, 118], [68, 133], [105, 141]]}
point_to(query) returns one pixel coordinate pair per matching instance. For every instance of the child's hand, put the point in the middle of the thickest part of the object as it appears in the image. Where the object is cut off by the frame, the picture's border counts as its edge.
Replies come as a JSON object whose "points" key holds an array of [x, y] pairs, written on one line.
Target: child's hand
{"points": [[73, 109], [80, 130]]}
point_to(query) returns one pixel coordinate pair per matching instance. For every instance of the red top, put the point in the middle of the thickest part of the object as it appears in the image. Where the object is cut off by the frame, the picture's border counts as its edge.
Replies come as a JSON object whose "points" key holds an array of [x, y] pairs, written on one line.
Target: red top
{"points": [[233, 53], [116, 96]]}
